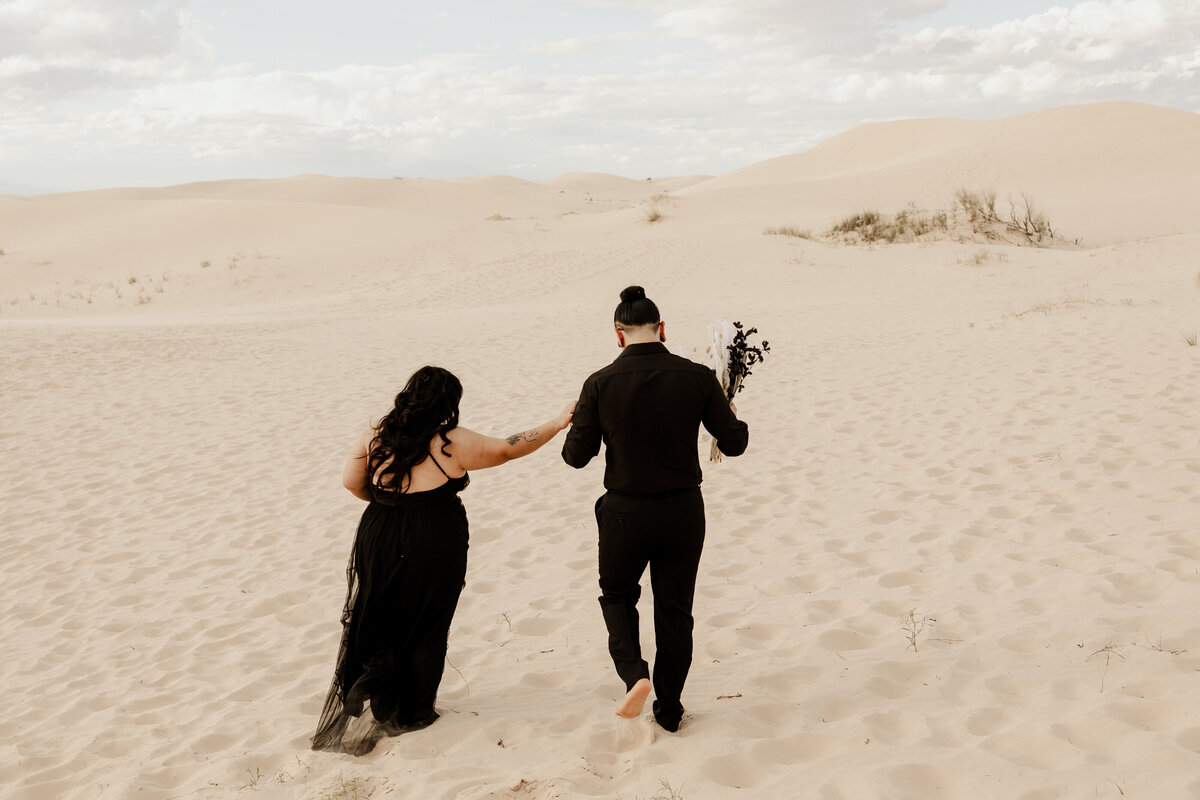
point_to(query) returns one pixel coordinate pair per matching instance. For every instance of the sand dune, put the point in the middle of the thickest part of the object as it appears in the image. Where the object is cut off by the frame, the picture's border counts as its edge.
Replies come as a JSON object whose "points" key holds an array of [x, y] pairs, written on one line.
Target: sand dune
{"points": [[1104, 172], [958, 560], [602, 183], [1061, 144]]}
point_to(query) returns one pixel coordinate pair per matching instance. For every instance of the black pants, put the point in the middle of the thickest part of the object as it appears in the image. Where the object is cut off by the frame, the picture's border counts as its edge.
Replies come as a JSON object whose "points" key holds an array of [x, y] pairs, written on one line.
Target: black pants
{"points": [[666, 533]]}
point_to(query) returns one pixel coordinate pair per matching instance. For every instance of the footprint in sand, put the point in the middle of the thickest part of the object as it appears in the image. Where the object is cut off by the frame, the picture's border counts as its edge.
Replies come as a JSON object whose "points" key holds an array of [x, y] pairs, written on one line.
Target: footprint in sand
{"points": [[920, 780], [543, 680], [539, 625], [842, 640], [894, 580], [988, 721], [736, 770], [1189, 739], [618, 737], [787, 750], [758, 636]]}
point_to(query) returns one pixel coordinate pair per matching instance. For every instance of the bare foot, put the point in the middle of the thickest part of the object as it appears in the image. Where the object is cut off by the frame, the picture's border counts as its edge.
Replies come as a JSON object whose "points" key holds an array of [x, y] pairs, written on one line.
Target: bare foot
{"points": [[631, 706]]}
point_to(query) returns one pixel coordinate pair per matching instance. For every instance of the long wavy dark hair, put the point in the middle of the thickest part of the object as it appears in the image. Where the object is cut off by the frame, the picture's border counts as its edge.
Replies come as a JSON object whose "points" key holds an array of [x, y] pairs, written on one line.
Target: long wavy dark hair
{"points": [[427, 406]]}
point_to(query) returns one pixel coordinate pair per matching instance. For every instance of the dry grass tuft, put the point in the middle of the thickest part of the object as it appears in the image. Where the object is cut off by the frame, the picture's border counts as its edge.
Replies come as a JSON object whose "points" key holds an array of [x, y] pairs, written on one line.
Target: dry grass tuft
{"points": [[654, 208], [788, 230], [906, 226], [971, 217], [914, 626], [353, 789], [1024, 218], [667, 792]]}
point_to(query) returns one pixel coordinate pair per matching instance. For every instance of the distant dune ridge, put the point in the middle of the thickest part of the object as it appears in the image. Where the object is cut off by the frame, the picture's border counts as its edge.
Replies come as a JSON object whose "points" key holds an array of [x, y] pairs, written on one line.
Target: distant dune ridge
{"points": [[1106, 172], [958, 559], [1103, 174]]}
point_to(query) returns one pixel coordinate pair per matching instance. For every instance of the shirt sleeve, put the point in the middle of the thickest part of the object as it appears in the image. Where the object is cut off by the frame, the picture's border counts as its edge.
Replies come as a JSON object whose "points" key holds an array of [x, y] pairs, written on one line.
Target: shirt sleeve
{"points": [[583, 440], [731, 433]]}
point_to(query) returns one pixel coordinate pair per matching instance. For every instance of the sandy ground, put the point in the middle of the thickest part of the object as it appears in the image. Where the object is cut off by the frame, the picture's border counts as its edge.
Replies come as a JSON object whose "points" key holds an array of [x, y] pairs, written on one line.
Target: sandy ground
{"points": [[959, 559]]}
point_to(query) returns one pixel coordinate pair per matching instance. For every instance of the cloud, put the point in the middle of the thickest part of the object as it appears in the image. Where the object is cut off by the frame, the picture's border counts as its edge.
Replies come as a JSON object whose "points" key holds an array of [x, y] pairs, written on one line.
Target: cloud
{"points": [[51, 50], [93, 30], [132, 88], [1061, 53], [572, 46], [811, 26]]}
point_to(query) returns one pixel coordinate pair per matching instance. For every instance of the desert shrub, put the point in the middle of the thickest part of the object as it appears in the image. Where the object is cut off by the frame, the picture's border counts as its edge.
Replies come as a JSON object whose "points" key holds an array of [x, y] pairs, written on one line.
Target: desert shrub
{"points": [[788, 230], [654, 208], [1024, 219], [978, 206], [871, 226], [917, 223], [1029, 221], [867, 226], [855, 223]]}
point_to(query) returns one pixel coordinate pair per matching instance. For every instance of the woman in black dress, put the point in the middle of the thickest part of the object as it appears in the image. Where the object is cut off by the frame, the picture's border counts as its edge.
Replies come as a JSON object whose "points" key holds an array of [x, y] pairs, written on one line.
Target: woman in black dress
{"points": [[409, 559]]}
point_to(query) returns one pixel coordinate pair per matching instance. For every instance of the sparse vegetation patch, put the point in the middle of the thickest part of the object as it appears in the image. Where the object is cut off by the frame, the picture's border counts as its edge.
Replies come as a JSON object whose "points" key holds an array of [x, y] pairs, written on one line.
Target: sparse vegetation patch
{"points": [[355, 788], [914, 626], [972, 217], [1024, 219], [788, 230], [908, 225], [654, 208], [667, 792]]}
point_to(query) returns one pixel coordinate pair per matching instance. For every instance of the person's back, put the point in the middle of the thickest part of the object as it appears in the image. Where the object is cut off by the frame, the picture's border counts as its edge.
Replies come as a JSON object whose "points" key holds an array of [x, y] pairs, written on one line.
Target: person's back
{"points": [[409, 559], [647, 407]]}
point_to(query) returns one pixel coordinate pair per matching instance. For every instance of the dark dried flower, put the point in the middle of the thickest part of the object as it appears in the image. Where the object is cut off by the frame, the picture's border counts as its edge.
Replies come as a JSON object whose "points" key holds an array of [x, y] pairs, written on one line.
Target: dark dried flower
{"points": [[743, 356]]}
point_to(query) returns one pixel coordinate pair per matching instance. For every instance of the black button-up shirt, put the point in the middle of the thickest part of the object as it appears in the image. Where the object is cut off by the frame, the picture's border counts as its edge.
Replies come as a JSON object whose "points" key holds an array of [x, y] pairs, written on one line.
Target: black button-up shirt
{"points": [[647, 407]]}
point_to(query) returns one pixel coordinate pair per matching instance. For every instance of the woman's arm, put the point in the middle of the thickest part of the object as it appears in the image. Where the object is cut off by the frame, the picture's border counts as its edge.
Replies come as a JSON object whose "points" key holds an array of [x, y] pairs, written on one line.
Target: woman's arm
{"points": [[475, 451], [354, 474]]}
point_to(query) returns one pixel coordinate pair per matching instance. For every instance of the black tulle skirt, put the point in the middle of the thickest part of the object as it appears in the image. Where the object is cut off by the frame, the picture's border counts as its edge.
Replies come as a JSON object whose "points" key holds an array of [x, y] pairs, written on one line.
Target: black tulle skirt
{"points": [[405, 575]]}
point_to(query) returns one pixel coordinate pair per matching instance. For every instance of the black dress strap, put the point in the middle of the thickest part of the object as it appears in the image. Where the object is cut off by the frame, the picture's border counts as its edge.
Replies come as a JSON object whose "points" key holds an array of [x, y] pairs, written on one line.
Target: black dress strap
{"points": [[439, 466]]}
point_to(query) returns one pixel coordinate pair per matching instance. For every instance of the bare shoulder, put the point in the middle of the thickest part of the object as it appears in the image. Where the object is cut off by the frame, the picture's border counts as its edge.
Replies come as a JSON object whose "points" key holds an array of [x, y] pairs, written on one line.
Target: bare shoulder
{"points": [[461, 440], [462, 436], [363, 443], [464, 445]]}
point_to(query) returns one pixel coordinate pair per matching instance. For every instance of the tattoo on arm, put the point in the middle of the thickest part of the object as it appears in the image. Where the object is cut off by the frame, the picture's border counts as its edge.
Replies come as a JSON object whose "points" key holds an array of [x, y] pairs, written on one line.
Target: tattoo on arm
{"points": [[525, 436]]}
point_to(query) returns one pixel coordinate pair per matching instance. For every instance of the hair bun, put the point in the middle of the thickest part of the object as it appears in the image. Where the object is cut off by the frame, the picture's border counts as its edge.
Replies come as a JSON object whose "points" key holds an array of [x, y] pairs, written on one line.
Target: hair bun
{"points": [[632, 293]]}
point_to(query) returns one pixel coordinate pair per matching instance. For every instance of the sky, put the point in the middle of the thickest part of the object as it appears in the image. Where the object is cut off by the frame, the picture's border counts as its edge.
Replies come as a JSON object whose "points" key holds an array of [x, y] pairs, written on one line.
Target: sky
{"points": [[100, 93]]}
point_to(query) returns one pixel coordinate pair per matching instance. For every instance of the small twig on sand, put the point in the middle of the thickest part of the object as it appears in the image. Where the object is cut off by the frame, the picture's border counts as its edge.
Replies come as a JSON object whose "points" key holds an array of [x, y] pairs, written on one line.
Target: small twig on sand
{"points": [[913, 626], [1109, 651], [459, 671], [1159, 647]]}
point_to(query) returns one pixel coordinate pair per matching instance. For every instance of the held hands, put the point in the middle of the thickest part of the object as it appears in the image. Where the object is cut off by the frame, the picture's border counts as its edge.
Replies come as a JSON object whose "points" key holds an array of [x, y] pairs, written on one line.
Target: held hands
{"points": [[563, 420]]}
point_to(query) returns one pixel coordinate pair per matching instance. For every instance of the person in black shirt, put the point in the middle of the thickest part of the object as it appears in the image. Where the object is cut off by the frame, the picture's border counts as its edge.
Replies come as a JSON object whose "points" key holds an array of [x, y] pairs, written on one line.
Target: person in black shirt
{"points": [[647, 408]]}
